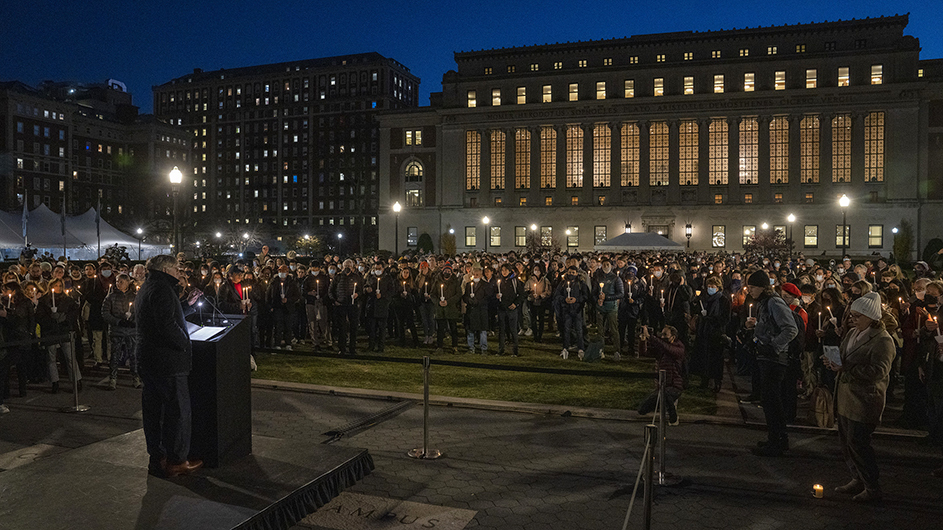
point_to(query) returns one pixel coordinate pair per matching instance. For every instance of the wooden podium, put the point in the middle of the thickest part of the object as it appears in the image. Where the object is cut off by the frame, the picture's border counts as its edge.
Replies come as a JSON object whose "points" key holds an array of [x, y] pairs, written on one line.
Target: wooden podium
{"points": [[220, 392]]}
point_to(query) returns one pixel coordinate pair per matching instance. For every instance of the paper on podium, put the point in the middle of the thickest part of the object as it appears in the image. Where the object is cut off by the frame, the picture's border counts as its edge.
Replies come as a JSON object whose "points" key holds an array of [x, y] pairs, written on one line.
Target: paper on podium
{"points": [[205, 332]]}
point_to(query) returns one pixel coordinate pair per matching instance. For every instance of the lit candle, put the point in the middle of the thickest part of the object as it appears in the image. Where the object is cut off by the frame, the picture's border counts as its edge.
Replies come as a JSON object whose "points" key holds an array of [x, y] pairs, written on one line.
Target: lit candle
{"points": [[53, 291], [750, 311], [130, 304], [404, 288], [426, 286], [317, 286], [818, 491], [568, 289], [937, 326], [829, 309], [820, 320], [355, 292], [442, 291]]}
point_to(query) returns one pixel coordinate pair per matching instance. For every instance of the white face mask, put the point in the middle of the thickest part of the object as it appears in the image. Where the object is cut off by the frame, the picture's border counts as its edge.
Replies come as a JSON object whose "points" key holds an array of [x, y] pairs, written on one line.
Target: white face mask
{"points": [[332, 272], [807, 299], [819, 278], [292, 267], [658, 274], [283, 275], [377, 273], [204, 272], [315, 273], [920, 294], [477, 280], [217, 282]]}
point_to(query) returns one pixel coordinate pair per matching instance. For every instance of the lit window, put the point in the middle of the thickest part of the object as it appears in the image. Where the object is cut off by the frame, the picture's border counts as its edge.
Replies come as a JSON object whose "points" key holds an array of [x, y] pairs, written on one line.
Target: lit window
{"points": [[574, 91], [688, 154], [748, 233], [718, 198], [582, 63], [688, 56], [843, 76], [630, 154], [574, 201], [919, 72], [488, 70], [719, 83], [548, 201], [744, 52], [875, 236], [874, 147], [521, 95], [771, 50], [601, 200], [607, 61], [780, 80], [841, 148], [546, 235], [548, 158], [558, 65], [877, 74], [600, 90], [811, 236], [688, 85], [811, 76], [520, 236], [495, 97], [717, 145], [602, 153], [471, 237], [414, 199], [522, 201], [546, 94], [495, 236], [630, 88], [749, 82], [842, 237], [658, 153], [633, 59], [660, 58], [749, 151], [574, 156], [659, 86], [809, 198], [573, 235], [472, 160], [715, 54], [413, 172], [718, 236], [534, 67], [800, 48], [472, 100], [599, 234], [511, 68], [779, 150], [809, 149], [778, 198], [747, 198]]}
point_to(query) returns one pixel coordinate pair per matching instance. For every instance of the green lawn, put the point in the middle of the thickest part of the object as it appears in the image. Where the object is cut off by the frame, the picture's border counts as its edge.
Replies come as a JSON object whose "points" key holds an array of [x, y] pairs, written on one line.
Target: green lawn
{"points": [[484, 382]]}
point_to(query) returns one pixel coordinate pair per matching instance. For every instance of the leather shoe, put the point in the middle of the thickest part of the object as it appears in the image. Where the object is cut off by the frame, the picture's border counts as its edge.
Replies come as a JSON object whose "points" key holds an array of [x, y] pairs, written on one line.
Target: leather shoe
{"points": [[184, 468], [868, 496]]}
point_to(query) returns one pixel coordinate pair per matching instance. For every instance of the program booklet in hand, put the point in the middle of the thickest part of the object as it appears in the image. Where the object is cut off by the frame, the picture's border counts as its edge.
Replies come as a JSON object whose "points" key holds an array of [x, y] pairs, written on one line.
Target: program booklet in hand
{"points": [[833, 354]]}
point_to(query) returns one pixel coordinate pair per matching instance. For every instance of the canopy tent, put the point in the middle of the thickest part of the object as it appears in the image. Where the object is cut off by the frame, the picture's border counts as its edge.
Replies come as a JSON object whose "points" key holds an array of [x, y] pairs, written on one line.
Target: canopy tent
{"points": [[44, 232], [638, 241]]}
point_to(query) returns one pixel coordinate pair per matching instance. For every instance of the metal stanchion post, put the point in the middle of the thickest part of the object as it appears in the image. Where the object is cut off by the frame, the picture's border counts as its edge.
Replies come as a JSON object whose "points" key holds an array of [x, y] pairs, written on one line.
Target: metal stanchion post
{"points": [[75, 380], [424, 452], [651, 431], [662, 422]]}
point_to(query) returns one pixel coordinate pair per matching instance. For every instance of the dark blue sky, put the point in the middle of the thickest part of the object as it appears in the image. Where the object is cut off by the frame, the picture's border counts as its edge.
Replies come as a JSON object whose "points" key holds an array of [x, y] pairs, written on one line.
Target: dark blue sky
{"points": [[145, 42]]}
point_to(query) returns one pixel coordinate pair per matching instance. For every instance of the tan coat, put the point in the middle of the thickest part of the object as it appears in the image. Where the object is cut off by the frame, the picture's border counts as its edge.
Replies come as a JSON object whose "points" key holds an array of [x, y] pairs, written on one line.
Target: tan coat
{"points": [[861, 386]]}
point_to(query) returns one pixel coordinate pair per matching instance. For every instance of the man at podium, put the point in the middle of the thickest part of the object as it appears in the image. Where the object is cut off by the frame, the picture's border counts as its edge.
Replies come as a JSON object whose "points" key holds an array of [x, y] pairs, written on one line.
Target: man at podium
{"points": [[165, 358]]}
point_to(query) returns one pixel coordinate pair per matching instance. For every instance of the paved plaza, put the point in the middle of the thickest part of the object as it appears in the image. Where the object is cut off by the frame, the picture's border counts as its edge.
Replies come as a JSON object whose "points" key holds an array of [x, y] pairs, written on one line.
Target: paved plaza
{"points": [[520, 470]]}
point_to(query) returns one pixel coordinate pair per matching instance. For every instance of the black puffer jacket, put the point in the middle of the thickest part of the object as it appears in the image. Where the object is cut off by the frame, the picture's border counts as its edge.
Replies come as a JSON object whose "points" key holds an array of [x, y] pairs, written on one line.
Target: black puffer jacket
{"points": [[163, 344]]}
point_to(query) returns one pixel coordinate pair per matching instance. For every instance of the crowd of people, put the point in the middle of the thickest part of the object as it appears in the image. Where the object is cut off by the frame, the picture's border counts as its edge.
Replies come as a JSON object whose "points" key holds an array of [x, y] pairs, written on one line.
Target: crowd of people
{"points": [[793, 324]]}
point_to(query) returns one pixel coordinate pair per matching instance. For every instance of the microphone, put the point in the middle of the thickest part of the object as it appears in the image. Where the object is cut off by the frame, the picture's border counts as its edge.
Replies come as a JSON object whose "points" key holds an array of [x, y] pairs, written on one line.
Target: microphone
{"points": [[209, 300]]}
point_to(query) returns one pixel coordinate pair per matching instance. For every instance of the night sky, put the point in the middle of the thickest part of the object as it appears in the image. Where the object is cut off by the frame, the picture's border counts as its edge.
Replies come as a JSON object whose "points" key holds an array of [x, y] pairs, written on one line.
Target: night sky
{"points": [[145, 43]]}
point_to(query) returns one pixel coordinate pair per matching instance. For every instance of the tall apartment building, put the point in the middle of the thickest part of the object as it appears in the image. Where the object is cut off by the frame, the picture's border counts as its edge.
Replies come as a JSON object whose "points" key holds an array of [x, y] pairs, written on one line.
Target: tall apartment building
{"points": [[715, 134], [287, 149], [87, 144]]}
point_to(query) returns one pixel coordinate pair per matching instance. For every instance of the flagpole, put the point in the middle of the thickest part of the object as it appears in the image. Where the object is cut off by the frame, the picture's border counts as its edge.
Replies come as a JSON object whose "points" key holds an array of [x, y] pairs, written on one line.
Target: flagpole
{"points": [[98, 217], [25, 218], [63, 229]]}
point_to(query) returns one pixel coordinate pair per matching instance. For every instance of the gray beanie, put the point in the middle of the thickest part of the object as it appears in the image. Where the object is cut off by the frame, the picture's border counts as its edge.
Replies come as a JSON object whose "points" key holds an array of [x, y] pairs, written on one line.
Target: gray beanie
{"points": [[868, 305]]}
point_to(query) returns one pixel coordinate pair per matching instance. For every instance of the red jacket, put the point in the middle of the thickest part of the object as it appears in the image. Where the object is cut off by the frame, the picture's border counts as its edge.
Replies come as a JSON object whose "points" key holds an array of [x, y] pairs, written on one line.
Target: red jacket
{"points": [[669, 357]]}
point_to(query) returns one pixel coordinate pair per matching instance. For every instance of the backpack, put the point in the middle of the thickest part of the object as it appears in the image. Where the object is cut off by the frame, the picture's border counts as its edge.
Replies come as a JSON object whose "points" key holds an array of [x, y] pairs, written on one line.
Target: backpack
{"points": [[822, 412]]}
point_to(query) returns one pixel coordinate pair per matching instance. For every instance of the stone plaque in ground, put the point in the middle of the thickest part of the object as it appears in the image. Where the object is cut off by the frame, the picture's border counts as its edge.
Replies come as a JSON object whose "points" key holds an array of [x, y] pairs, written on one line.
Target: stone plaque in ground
{"points": [[353, 511]]}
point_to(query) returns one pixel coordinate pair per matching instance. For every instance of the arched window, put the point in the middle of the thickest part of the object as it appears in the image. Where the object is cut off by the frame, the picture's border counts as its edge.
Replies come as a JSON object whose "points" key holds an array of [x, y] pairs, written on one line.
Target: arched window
{"points": [[413, 172]]}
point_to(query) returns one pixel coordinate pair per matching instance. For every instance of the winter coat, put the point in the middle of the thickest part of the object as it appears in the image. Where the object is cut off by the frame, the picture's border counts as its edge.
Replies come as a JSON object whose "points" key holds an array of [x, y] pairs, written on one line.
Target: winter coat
{"points": [[343, 287], [115, 311], [374, 307], [578, 290], [775, 327], [451, 289], [861, 386], [477, 296], [512, 293], [539, 290], [60, 322], [612, 288], [163, 344]]}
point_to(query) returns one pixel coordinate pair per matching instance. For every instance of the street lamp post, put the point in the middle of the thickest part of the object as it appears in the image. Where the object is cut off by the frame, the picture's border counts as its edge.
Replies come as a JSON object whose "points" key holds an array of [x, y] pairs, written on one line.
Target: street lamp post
{"points": [[844, 202], [397, 208], [486, 221], [791, 219], [176, 177], [340, 239], [140, 231], [688, 232]]}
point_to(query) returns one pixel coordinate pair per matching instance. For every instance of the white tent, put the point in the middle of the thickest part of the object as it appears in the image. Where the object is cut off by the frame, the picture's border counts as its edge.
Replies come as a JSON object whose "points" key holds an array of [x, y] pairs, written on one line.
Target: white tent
{"points": [[44, 232], [638, 241]]}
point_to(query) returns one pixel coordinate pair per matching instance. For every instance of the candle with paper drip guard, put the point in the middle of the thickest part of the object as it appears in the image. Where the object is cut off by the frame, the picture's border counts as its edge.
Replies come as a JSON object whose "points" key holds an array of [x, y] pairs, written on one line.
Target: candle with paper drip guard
{"points": [[353, 295], [53, 293], [130, 305], [568, 289], [662, 299], [750, 311], [499, 289], [404, 288], [442, 292]]}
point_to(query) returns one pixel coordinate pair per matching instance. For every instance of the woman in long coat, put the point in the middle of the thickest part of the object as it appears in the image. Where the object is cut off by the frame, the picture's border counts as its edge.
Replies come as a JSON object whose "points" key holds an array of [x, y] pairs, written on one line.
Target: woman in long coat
{"points": [[867, 351]]}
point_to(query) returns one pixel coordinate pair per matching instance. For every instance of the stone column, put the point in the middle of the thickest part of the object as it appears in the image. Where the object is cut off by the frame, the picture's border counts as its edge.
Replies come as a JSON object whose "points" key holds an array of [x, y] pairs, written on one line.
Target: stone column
{"points": [[644, 162]]}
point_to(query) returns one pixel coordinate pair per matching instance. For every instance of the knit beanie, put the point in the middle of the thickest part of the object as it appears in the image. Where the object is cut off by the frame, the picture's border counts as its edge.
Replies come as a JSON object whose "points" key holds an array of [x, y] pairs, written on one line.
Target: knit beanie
{"points": [[868, 305], [759, 279]]}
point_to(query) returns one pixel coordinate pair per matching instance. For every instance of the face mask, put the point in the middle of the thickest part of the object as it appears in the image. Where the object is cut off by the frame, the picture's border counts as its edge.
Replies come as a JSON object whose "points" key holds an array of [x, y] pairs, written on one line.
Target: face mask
{"points": [[830, 286], [332, 272], [292, 267], [283, 275], [710, 269], [536, 272], [106, 273], [377, 273], [571, 277], [712, 291], [921, 294], [658, 274], [807, 299], [765, 262], [217, 282], [360, 268], [315, 273], [477, 280], [735, 285], [772, 281], [819, 278], [776, 264], [204, 272], [447, 274], [607, 270], [841, 271]]}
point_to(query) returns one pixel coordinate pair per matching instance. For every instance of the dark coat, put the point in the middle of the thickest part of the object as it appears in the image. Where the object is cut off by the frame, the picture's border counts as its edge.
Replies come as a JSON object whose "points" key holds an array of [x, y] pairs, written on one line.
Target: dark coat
{"points": [[115, 309], [287, 288], [374, 307], [451, 289], [476, 307], [62, 321], [578, 290], [163, 344], [512, 293], [343, 287]]}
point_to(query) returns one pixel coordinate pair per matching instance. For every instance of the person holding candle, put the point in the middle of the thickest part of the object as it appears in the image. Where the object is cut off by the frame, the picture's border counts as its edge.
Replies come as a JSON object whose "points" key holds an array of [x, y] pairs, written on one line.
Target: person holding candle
{"points": [[282, 296], [930, 362], [118, 313], [17, 317], [668, 352], [712, 340], [447, 307], [477, 297], [425, 284], [774, 327], [609, 290], [379, 290], [510, 296], [55, 315], [95, 288], [571, 295], [539, 292], [866, 355], [630, 307], [346, 288], [404, 295], [315, 288]]}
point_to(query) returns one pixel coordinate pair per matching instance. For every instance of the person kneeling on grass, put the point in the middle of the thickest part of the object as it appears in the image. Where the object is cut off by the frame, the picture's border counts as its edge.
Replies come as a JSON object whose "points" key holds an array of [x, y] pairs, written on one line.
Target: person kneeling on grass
{"points": [[668, 352]]}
